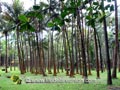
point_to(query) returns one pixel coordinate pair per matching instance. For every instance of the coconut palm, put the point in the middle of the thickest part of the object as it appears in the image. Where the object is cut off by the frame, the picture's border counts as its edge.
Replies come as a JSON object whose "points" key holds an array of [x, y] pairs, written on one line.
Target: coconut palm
{"points": [[10, 15]]}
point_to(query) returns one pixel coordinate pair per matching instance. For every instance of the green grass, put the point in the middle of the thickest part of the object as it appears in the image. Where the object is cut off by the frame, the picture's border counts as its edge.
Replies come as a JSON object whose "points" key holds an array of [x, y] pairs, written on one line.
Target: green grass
{"points": [[99, 84]]}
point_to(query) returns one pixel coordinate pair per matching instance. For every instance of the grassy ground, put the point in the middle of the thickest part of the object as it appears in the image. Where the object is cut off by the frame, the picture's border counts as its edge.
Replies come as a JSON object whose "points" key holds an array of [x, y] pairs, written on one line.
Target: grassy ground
{"points": [[95, 84]]}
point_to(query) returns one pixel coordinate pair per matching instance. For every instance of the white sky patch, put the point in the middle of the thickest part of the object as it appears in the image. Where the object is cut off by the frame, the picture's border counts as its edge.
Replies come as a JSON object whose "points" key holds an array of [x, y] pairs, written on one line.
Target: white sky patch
{"points": [[26, 3]]}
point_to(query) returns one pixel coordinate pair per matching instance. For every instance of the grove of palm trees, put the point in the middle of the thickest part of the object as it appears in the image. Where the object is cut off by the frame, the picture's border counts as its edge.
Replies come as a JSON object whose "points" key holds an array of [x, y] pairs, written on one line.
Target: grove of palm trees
{"points": [[60, 45]]}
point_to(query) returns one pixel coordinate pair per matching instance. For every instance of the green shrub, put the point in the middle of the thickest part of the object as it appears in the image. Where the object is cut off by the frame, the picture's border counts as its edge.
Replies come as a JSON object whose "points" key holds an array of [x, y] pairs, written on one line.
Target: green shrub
{"points": [[16, 79]]}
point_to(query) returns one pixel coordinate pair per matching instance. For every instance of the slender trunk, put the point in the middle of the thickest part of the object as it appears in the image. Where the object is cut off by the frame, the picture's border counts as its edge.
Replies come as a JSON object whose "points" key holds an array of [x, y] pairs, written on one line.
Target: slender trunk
{"points": [[22, 55], [6, 57], [76, 51], [109, 79], [19, 53], [72, 44], [119, 60], [114, 72], [36, 61], [71, 61], [82, 49], [30, 52], [11, 58], [101, 59], [39, 56], [83, 58], [53, 56], [14, 57], [49, 52], [61, 63], [57, 56], [89, 66], [26, 64], [96, 54], [79, 51], [65, 51]]}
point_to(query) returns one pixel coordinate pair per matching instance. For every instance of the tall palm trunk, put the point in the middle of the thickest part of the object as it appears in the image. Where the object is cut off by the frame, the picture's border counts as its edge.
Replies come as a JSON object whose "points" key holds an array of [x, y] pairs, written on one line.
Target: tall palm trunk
{"points": [[53, 55], [119, 61], [15, 55], [96, 53], [72, 44], [6, 57], [22, 55], [61, 63], [26, 63], [71, 61], [114, 73], [109, 79], [82, 49], [79, 49], [19, 52], [30, 52], [57, 56], [49, 52], [101, 59], [76, 51], [11, 58], [88, 54], [39, 56], [65, 50]]}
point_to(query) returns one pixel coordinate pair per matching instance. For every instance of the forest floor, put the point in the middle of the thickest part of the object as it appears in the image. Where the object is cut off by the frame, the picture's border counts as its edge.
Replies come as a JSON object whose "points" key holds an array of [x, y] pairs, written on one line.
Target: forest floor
{"points": [[59, 82]]}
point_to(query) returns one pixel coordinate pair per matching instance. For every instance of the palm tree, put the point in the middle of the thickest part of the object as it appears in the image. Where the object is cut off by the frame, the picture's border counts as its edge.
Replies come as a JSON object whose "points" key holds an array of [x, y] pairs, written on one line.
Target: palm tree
{"points": [[109, 79], [11, 15], [5, 27], [114, 73]]}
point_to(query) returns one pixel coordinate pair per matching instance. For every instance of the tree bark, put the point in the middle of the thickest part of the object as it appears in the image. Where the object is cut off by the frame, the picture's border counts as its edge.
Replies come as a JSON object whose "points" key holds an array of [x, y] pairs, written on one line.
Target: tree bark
{"points": [[96, 54], [109, 78], [65, 50], [101, 59], [6, 57], [88, 54], [114, 72]]}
